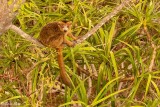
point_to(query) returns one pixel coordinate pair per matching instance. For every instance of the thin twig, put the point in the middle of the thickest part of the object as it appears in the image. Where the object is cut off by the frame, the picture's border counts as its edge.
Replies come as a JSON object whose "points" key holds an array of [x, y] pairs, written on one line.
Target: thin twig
{"points": [[153, 46], [80, 69], [103, 21], [153, 57]]}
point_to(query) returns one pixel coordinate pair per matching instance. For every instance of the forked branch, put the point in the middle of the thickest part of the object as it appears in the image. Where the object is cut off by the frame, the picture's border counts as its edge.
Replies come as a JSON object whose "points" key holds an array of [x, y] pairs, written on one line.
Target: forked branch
{"points": [[80, 40]]}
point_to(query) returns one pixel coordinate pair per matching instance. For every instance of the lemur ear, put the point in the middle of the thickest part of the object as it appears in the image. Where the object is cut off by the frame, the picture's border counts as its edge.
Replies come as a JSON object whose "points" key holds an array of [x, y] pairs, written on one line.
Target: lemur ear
{"points": [[59, 24], [69, 22]]}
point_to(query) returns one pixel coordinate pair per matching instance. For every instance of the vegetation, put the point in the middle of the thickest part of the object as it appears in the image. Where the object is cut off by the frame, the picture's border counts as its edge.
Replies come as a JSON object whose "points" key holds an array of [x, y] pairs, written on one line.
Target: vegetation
{"points": [[121, 59]]}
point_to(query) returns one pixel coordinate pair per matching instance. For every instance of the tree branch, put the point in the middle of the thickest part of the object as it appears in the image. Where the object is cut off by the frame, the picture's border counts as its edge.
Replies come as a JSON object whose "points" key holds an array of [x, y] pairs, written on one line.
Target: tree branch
{"points": [[24, 35], [103, 21]]}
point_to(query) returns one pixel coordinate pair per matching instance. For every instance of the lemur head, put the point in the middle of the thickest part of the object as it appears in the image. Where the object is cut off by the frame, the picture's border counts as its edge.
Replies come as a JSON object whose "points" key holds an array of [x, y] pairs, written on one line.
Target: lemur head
{"points": [[64, 25]]}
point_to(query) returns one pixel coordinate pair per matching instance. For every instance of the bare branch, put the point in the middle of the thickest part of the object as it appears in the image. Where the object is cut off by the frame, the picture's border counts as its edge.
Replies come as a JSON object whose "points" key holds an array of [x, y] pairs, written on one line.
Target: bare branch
{"points": [[103, 21], [24, 35]]}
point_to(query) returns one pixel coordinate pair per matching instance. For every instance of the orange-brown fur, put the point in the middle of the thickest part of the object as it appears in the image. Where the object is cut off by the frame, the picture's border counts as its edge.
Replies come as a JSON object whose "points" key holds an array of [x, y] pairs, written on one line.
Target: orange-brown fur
{"points": [[53, 35]]}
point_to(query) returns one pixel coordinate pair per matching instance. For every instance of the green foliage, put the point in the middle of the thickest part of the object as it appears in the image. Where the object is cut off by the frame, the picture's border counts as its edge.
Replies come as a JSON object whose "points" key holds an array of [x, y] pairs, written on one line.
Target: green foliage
{"points": [[124, 54]]}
